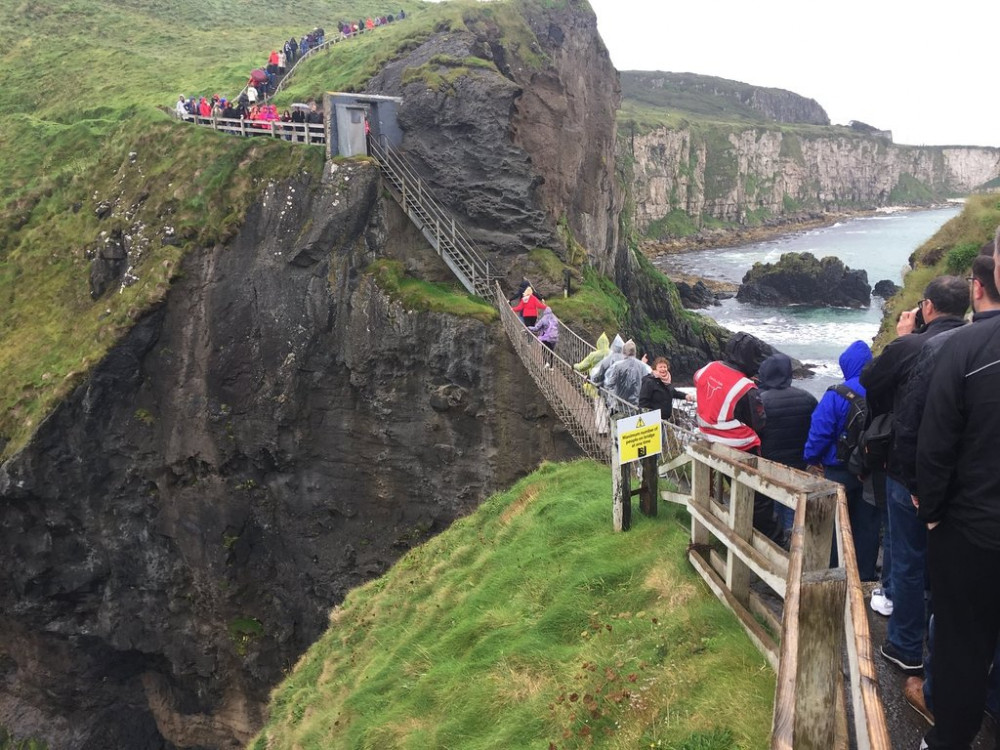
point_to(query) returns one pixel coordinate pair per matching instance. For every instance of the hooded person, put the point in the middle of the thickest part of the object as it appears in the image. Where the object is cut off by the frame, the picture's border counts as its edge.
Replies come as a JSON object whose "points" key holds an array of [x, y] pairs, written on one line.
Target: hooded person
{"points": [[597, 374], [730, 411], [601, 348], [547, 329], [789, 414], [624, 377], [614, 354], [828, 422], [729, 407]]}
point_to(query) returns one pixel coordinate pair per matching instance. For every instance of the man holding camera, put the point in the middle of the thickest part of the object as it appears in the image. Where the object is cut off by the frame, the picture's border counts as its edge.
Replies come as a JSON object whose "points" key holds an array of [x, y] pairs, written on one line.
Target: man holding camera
{"points": [[905, 538]]}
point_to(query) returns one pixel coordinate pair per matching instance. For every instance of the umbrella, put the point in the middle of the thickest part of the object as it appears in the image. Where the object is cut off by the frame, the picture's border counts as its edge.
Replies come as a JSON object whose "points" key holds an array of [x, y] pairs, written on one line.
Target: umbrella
{"points": [[258, 75], [299, 105]]}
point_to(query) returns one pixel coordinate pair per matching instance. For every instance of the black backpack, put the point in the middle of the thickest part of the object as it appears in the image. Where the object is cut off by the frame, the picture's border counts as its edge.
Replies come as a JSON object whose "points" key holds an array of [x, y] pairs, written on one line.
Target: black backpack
{"points": [[857, 421], [872, 451]]}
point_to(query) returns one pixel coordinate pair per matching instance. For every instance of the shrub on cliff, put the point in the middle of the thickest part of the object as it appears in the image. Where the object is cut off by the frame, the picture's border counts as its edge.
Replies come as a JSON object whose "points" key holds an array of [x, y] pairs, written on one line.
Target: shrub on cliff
{"points": [[971, 228]]}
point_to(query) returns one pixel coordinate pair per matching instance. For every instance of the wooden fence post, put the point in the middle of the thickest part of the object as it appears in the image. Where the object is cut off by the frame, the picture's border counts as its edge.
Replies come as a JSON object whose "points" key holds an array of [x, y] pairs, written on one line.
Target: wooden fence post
{"points": [[741, 523], [649, 491], [701, 491], [819, 647], [816, 516], [621, 490]]}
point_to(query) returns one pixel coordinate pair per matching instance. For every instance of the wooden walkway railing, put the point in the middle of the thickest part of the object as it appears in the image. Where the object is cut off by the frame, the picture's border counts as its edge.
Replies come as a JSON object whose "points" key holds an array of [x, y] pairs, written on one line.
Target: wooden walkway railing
{"points": [[808, 618], [296, 132]]}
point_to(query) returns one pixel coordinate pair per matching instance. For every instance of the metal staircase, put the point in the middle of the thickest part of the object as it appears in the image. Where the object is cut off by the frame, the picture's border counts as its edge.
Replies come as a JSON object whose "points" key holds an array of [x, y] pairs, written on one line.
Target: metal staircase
{"points": [[437, 226]]}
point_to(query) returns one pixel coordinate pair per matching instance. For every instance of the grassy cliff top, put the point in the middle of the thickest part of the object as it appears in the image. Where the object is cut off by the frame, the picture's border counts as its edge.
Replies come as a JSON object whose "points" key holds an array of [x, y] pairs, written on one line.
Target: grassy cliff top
{"points": [[532, 624], [88, 93], [950, 251]]}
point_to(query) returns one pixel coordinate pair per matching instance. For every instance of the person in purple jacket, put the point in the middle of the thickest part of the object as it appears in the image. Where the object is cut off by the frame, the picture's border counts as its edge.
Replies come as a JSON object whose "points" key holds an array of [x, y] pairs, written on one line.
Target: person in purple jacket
{"points": [[547, 329]]}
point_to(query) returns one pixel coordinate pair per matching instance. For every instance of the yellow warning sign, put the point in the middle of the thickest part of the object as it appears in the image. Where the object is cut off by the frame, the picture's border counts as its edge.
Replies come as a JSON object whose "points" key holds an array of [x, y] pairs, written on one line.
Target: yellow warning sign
{"points": [[639, 437]]}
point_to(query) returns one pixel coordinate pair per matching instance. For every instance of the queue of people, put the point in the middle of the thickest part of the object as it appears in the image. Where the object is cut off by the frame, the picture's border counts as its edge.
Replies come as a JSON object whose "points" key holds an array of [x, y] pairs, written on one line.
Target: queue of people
{"points": [[923, 487], [918, 476], [251, 103]]}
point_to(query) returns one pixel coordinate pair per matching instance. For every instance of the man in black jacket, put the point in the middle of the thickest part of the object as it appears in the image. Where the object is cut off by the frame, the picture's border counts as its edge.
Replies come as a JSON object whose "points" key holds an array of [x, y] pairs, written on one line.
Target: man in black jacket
{"points": [[986, 303], [904, 539], [789, 412], [960, 503]]}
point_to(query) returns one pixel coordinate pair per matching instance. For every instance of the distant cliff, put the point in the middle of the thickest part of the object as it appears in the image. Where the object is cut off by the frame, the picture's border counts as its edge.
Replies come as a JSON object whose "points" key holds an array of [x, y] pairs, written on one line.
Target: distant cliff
{"points": [[707, 95], [746, 175]]}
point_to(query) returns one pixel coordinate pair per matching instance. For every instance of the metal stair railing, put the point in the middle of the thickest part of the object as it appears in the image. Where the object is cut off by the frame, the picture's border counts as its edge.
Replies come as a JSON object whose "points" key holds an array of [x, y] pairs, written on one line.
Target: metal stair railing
{"points": [[435, 223]]}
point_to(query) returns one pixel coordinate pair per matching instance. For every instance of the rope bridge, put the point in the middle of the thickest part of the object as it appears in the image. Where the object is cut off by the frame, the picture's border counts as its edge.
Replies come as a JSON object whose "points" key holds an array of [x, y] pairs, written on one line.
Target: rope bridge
{"points": [[583, 408]]}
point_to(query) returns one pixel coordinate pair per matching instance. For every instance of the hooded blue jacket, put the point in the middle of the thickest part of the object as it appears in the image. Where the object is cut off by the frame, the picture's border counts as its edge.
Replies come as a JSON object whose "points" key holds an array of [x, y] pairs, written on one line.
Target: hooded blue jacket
{"points": [[830, 416]]}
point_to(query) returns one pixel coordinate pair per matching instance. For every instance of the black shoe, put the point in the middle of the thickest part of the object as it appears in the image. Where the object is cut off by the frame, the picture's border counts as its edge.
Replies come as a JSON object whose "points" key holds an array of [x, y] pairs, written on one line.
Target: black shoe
{"points": [[902, 663]]}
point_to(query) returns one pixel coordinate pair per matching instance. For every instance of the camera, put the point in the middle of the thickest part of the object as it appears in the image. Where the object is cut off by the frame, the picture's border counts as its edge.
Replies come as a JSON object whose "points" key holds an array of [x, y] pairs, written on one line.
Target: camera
{"points": [[918, 320]]}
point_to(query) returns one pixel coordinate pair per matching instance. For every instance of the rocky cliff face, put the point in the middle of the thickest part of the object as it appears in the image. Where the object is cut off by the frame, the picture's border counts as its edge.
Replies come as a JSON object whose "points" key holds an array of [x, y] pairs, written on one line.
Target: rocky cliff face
{"points": [[517, 137], [752, 174], [276, 433]]}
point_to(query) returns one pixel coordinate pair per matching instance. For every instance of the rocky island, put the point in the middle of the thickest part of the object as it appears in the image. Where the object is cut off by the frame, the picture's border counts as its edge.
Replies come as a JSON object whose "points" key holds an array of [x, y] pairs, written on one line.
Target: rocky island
{"points": [[804, 279]]}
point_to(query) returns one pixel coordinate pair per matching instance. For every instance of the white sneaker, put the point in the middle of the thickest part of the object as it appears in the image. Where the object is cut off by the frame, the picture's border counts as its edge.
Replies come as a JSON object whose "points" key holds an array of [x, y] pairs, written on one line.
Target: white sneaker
{"points": [[881, 603]]}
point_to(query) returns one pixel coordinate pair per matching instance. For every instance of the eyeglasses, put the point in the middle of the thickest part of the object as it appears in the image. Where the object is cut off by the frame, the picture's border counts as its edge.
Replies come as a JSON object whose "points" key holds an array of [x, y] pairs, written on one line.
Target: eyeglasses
{"points": [[970, 279]]}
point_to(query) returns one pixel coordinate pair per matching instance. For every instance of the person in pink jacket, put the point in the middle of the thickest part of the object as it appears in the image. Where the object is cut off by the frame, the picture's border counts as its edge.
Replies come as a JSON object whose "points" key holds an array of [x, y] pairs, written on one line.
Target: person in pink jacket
{"points": [[529, 307]]}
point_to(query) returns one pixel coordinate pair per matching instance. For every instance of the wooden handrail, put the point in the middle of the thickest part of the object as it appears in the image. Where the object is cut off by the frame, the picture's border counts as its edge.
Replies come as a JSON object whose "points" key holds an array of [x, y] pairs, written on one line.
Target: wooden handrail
{"points": [[823, 616]]}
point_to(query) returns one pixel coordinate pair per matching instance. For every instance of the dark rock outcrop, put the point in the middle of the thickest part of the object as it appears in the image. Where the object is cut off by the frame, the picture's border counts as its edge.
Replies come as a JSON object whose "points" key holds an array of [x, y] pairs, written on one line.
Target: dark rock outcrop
{"points": [[503, 143], [276, 433], [885, 289], [696, 295], [802, 279]]}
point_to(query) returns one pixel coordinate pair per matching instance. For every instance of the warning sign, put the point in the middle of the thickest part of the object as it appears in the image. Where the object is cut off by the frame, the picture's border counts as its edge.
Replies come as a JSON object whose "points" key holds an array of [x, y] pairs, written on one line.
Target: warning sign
{"points": [[639, 437]]}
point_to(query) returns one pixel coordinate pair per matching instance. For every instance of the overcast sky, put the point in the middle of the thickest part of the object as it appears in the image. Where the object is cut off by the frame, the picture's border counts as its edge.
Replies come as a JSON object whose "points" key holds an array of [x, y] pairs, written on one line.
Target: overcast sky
{"points": [[929, 72]]}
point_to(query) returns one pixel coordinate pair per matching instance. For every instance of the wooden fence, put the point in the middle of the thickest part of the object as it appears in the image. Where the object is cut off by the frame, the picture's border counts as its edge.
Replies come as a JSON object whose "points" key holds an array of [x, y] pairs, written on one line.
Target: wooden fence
{"points": [[295, 132], [806, 615]]}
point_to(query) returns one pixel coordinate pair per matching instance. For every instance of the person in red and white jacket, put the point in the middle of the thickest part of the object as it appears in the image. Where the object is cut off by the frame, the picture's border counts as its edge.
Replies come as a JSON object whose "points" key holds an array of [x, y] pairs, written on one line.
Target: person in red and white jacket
{"points": [[731, 412], [729, 406]]}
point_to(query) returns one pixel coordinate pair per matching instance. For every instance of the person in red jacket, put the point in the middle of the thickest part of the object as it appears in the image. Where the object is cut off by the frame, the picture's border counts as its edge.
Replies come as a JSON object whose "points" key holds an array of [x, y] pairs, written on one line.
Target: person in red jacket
{"points": [[729, 406], [529, 307]]}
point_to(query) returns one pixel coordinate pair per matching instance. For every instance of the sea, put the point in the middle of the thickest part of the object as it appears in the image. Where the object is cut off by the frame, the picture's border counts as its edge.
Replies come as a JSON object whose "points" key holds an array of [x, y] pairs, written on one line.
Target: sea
{"points": [[881, 244]]}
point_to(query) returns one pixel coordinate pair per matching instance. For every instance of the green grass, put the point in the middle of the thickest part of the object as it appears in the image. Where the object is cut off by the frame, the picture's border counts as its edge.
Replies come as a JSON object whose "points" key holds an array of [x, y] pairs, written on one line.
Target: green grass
{"points": [[531, 624], [418, 295], [8, 742], [949, 251], [193, 181], [83, 85], [597, 305]]}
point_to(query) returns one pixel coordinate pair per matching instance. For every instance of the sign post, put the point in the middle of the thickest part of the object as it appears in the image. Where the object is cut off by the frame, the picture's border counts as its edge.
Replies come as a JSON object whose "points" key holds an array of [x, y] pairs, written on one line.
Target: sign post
{"points": [[637, 438]]}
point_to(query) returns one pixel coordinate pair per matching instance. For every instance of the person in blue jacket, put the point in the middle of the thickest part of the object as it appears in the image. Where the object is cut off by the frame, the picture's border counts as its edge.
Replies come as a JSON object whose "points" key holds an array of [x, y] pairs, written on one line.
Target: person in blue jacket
{"points": [[828, 421]]}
